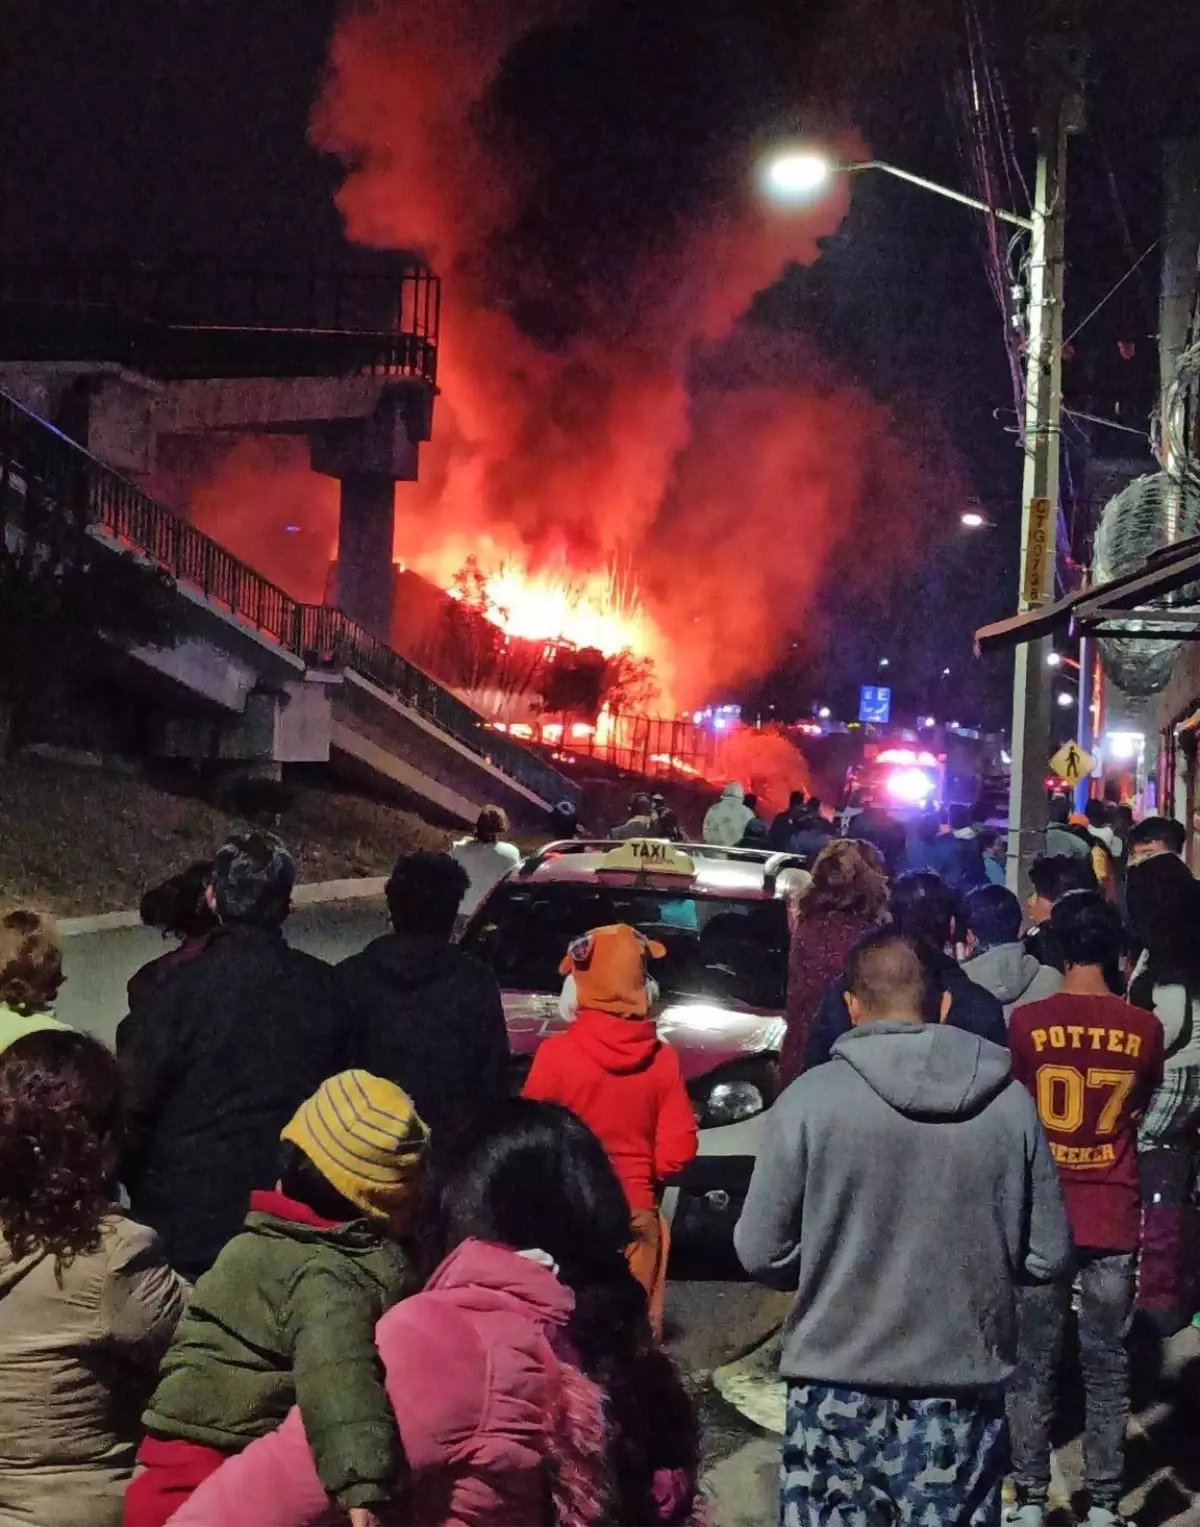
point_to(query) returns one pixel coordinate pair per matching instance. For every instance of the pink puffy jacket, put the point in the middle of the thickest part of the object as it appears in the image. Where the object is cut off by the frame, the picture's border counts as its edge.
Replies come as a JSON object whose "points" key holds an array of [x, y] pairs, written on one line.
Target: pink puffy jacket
{"points": [[477, 1393]]}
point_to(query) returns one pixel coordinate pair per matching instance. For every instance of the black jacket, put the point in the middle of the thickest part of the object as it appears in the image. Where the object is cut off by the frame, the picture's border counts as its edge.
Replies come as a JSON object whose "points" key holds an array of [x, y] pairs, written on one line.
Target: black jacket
{"points": [[428, 1017], [215, 1060], [971, 1008], [805, 835], [784, 828], [875, 826]]}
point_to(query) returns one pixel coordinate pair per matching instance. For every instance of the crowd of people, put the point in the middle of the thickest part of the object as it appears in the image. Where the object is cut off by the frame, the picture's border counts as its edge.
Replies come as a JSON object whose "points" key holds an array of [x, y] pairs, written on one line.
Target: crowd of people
{"points": [[294, 1254], [989, 1111]]}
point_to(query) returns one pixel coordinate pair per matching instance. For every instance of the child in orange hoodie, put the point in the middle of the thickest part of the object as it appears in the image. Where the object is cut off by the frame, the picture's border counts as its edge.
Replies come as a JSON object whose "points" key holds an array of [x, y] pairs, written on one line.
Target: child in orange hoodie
{"points": [[611, 1069]]}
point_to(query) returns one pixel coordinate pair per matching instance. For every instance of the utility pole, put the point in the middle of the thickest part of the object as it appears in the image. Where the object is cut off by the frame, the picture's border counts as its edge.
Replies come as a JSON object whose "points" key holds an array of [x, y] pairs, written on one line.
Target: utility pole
{"points": [[1059, 114]]}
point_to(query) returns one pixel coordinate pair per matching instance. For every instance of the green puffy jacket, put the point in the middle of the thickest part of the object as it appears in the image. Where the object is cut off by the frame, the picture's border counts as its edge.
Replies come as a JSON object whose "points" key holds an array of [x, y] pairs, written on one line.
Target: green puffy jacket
{"points": [[287, 1316]]}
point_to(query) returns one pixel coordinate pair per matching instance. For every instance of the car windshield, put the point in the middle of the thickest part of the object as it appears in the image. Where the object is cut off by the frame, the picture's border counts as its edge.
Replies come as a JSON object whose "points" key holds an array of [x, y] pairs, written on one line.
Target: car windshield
{"points": [[718, 949]]}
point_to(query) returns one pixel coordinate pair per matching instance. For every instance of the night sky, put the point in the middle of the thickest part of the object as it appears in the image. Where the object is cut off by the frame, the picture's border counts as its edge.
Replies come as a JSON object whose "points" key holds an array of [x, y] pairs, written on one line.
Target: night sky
{"points": [[162, 127]]}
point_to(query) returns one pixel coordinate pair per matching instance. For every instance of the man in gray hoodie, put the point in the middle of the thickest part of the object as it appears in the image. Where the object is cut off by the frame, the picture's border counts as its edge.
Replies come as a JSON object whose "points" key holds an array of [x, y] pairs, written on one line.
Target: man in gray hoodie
{"points": [[903, 1191], [996, 958]]}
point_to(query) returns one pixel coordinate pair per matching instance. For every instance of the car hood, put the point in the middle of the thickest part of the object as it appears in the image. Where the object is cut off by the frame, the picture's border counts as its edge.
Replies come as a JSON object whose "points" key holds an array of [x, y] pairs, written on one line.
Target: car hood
{"points": [[704, 1035]]}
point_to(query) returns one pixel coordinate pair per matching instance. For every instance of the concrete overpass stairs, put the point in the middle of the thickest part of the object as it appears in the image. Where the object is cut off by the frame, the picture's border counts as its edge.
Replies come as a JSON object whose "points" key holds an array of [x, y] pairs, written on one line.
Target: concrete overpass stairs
{"points": [[139, 361], [258, 678]]}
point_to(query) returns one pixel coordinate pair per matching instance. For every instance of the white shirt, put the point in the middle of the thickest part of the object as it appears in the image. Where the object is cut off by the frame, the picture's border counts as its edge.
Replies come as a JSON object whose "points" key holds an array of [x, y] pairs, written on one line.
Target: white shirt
{"points": [[486, 864], [1171, 1010]]}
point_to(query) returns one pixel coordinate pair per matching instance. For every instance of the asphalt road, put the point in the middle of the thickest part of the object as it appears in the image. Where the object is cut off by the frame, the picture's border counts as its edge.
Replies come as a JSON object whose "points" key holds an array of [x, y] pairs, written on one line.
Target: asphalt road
{"points": [[97, 965]]}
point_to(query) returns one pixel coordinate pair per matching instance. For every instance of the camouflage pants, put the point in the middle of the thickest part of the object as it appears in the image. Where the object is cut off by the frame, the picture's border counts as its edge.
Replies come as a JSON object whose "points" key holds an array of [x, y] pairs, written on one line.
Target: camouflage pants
{"points": [[867, 1460]]}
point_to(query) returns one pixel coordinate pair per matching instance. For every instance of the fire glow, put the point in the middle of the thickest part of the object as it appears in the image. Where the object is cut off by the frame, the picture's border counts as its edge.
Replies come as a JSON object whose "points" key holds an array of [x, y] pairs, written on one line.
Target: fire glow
{"points": [[599, 610], [605, 395]]}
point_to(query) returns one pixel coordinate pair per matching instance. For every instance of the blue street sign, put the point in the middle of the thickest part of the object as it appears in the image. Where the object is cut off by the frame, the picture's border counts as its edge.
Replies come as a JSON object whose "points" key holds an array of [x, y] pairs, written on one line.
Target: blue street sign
{"points": [[875, 704]]}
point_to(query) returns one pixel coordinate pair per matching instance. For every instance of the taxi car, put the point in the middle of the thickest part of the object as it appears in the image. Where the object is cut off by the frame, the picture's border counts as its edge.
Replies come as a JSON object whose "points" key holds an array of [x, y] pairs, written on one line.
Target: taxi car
{"points": [[722, 915]]}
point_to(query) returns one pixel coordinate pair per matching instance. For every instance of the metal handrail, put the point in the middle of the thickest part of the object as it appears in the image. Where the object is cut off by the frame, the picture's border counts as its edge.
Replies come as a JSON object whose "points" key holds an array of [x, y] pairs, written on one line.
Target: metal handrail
{"points": [[207, 318], [320, 634]]}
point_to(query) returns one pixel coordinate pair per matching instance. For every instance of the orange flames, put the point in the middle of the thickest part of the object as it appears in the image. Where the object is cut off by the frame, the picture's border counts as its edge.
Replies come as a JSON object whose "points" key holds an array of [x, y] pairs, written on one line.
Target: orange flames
{"points": [[601, 609], [586, 611]]}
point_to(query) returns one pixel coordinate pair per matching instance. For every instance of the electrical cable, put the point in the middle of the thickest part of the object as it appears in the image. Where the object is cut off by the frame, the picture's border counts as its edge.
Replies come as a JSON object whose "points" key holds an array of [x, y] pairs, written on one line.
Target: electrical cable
{"points": [[1127, 429], [1112, 292]]}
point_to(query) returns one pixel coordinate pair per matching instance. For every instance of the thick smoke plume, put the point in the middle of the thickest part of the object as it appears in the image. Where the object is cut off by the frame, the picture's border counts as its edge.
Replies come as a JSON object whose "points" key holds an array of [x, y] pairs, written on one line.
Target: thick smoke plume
{"points": [[581, 177]]}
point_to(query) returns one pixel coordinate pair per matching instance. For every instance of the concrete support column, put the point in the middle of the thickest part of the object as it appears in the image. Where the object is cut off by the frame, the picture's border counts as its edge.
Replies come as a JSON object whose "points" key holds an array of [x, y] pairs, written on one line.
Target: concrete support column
{"points": [[365, 588]]}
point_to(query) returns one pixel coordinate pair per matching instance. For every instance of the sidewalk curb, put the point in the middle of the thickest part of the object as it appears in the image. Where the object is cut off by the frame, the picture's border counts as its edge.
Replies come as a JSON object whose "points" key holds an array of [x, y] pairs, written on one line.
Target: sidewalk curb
{"points": [[303, 896]]}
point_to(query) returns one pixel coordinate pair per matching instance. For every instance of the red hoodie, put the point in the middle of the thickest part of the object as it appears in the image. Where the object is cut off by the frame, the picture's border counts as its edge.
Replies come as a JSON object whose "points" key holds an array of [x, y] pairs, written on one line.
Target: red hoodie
{"points": [[627, 1088]]}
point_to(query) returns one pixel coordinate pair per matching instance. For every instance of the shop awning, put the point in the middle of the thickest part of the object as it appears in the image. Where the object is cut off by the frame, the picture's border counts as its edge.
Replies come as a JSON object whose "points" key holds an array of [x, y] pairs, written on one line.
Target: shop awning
{"points": [[1115, 608]]}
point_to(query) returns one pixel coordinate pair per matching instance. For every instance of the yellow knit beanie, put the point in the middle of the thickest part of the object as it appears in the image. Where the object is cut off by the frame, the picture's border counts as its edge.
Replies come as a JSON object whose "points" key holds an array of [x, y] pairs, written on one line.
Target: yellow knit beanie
{"points": [[366, 1139]]}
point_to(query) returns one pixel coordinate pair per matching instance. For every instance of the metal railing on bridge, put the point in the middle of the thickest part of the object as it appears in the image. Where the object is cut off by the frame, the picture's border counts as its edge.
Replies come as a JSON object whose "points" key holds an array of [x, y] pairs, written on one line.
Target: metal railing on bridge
{"points": [[204, 318], [33, 452]]}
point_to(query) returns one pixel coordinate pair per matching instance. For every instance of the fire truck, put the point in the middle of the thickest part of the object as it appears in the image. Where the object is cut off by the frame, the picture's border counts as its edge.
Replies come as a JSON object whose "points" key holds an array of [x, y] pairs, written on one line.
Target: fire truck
{"points": [[910, 773]]}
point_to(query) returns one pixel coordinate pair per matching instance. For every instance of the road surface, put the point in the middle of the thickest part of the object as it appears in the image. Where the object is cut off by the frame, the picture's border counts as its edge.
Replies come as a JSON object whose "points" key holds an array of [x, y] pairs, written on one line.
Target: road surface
{"points": [[97, 965]]}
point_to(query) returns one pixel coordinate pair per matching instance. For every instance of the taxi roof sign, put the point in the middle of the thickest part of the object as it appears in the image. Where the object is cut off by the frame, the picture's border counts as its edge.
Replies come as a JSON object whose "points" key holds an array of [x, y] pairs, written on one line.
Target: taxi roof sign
{"points": [[642, 855]]}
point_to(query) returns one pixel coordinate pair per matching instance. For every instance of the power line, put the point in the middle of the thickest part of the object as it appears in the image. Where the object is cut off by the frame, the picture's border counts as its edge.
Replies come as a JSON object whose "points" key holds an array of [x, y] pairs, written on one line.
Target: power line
{"points": [[1128, 429], [1114, 290]]}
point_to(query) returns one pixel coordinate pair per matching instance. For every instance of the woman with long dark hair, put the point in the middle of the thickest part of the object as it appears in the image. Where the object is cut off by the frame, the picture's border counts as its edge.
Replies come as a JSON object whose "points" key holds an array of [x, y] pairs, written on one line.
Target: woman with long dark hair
{"points": [[87, 1304], [178, 908], [1162, 901], [524, 1380], [846, 898]]}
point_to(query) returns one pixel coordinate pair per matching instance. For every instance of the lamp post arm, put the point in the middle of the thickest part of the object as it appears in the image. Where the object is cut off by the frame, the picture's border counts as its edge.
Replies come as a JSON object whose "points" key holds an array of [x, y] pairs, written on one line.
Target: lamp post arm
{"points": [[947, 191]]}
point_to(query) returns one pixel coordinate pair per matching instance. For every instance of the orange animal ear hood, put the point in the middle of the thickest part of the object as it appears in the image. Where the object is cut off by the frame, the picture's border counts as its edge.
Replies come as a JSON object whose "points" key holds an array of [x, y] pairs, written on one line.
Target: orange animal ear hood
{"points": [[609, 966]]}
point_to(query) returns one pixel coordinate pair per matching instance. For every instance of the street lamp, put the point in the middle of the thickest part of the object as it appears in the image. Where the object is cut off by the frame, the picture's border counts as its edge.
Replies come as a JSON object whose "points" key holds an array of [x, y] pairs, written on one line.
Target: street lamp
{"points": [[971, 519], [796, 173], [1065, 700]]}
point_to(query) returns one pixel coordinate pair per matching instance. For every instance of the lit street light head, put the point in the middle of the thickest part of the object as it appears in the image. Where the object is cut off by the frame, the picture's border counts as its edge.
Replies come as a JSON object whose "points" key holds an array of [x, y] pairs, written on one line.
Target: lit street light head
{"points": [[795, 175], [1064, 699], [972, 519]]}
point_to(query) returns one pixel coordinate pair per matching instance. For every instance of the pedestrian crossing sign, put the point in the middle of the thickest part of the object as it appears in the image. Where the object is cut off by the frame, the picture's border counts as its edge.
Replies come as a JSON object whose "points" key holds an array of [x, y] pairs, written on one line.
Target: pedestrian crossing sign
{"points": [[1072, 763]]}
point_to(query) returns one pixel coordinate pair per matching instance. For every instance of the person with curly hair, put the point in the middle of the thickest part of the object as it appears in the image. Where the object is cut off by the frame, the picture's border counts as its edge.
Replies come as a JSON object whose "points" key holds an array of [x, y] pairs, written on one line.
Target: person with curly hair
{"points": [[846, 899], [87, 1303], [30, 974]]}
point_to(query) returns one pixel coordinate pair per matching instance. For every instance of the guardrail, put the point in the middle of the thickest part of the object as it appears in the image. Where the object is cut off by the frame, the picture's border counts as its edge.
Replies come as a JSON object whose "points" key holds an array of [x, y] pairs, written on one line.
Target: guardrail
{"points": [[203, 318], [38, 453]]}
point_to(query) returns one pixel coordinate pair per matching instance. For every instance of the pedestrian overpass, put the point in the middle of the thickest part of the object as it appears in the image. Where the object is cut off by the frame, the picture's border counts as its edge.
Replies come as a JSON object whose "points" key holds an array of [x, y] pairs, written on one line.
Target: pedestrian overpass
{"points": [[254, 676]]}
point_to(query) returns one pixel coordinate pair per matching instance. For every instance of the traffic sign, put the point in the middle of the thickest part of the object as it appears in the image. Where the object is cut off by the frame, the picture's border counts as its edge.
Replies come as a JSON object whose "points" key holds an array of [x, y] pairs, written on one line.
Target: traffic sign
{"points": [[1072, 763], [875, 703]]}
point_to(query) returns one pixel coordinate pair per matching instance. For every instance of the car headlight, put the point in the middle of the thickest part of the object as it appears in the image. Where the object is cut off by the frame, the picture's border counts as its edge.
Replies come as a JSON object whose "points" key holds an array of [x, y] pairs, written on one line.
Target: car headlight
{"points": [[729, 1102]]}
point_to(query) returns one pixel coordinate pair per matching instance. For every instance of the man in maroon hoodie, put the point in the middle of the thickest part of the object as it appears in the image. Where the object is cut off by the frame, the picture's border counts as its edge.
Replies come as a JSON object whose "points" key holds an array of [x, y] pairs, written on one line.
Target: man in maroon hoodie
{"points": [[611, 1069]]}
